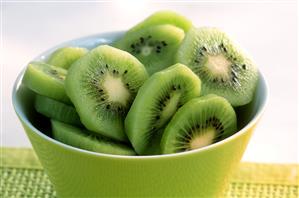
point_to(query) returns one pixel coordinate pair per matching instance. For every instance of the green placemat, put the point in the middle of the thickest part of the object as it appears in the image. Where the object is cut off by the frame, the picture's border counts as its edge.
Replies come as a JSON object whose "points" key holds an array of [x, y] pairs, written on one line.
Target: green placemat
{"points": [[23, 176]]}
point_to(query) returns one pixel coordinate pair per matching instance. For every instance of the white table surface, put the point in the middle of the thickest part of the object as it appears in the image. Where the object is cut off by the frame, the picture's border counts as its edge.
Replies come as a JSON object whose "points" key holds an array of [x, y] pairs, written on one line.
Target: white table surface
{"points": [[268, 31]]}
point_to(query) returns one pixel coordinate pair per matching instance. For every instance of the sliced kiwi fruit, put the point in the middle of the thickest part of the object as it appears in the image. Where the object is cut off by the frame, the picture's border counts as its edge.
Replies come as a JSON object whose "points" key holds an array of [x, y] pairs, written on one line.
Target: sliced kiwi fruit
{"points": [[84, 139], [223, 68], [46, 80], [66, 56], [102, 85], [162, 18], [56, 110], [156, 102], [200, 122], [154, 147], [154, 46]]}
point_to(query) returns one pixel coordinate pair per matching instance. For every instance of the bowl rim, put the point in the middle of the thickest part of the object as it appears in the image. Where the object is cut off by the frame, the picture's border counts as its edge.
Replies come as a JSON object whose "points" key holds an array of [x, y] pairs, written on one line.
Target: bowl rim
{"points": [[24, 119]]}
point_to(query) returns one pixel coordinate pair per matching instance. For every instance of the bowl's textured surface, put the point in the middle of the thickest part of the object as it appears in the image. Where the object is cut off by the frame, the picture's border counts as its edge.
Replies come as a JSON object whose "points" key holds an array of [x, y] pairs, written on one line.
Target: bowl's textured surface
{"points": [[77, 173]]}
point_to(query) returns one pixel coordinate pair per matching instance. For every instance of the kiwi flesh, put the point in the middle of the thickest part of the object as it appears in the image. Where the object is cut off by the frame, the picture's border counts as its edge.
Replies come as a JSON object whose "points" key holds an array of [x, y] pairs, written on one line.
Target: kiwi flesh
{"points": [[102, 85], [84, 139], [223, 68], [156, 102], [46, 80], [200, 122], [154, 147], [66, 56], [56, 110], [154, 46], [164, 17]]}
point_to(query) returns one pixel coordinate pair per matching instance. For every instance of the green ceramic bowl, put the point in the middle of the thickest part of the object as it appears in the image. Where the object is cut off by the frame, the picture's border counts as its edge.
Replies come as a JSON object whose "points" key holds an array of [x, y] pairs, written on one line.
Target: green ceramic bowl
{"points": [[75, 172]]}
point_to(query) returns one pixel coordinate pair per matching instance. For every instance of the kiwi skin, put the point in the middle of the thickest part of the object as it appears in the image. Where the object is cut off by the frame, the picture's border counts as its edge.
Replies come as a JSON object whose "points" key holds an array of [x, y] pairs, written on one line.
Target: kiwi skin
{"points": [[175, 86], [96, 113], [243, 75], [164, 17], [193, 116]]}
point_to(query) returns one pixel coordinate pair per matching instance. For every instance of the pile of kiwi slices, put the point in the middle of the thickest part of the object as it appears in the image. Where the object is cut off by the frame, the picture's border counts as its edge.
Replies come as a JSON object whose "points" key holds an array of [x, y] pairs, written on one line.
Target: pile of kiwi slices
{"points": [[164, 87]]}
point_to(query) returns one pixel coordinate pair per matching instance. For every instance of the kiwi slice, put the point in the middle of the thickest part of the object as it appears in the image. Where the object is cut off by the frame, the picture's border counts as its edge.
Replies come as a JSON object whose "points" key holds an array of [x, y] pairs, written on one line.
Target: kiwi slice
{"points": [[66, 56], [154, 147], [162, 18], [200, 122], [84, 139], [102, 85], [154, 46], [46, 80], [57, 110], [220, 64], [157, 101]]}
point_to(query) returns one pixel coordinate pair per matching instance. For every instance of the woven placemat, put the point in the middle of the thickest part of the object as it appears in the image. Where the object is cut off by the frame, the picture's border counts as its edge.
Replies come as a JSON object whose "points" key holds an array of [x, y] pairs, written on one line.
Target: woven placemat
{"points": [[23, 176]]}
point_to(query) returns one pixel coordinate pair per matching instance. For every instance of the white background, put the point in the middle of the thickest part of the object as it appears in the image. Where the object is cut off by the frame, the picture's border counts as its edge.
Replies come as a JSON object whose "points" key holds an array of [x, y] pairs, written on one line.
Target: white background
{"points": [[268, 31]]}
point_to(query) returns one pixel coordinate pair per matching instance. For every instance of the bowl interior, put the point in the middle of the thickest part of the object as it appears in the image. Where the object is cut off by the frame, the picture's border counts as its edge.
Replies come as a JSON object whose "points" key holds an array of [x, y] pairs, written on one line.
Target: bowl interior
{"points": [[23, 98]]}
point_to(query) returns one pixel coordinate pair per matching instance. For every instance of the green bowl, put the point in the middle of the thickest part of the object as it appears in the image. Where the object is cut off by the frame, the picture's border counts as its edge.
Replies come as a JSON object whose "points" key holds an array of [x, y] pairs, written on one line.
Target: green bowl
{"points": [[74, 172]]}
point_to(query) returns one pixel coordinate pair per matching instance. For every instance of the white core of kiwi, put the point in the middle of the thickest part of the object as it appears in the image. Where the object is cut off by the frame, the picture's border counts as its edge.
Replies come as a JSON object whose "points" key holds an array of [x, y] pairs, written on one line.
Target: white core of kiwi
{"points": [[219, 66], [146, 50], [169, 109], [116, 89], [204, 138]]}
